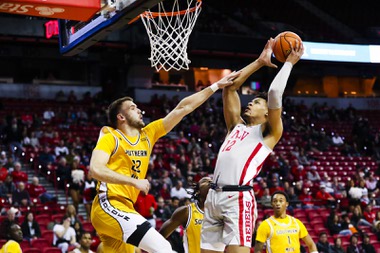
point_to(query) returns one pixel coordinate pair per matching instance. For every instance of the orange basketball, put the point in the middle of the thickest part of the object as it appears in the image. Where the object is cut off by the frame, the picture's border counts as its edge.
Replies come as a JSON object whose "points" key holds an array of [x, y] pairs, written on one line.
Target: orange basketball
{"points": [[282, 45]]}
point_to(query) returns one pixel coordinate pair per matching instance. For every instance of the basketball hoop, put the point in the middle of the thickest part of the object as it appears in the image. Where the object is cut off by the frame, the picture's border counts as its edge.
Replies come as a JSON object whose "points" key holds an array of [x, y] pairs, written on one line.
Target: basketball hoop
{"points": [[169, 33]]}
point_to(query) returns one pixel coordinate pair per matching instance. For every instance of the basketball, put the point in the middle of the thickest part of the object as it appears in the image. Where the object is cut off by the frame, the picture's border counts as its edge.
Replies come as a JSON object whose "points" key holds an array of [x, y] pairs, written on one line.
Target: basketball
{"points": [[282, 45]]}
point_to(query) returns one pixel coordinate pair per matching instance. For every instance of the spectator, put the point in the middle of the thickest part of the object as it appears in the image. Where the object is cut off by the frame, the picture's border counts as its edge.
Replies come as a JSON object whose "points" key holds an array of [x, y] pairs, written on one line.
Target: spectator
{"points": [[347, 224], [337, 140], [49, 114], [369, 215], [377, 229], [324, 198], [313, 175], [337, 247], [71, 212], [64, 235], [327, 182], [30, 228], [36, 190], [306, 198], [338, 188], [8, 187], [13, 137], [34, 142], [354, 247], [367, 246], [20, 197], [298, 171], [165, 192], [178, 191], [14, 237], [357, 218], [3, 158], [76, 182], [323, 245], [162, 212], [61, 149], [265, 199], [335, 225], [10, 219], [371, 183], [63, 172], [146, 205], [77, 226], [10, 164], [85, 243], [89, 193], [46, 158], [293, 198], [18, 175], [302, 158]]}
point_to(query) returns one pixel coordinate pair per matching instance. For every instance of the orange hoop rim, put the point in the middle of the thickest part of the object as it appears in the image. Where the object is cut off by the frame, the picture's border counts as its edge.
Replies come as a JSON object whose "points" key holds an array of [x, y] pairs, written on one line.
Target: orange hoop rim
{"points": [[166, 14]]}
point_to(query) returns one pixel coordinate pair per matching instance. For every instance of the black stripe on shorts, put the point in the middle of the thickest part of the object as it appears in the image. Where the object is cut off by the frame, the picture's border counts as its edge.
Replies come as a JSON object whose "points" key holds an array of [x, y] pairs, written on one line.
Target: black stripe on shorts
{"points": [[139, 233]]}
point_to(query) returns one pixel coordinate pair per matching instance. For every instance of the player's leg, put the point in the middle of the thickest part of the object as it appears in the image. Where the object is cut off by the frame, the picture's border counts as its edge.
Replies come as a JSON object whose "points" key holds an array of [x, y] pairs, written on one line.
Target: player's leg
{"points": [[240, 210], [117, 223], [212, 226], [154, 242]]}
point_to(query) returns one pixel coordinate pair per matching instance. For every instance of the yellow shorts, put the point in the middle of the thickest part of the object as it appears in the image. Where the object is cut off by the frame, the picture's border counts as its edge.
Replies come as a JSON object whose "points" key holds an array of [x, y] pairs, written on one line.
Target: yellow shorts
{"points": [[115, 220]]}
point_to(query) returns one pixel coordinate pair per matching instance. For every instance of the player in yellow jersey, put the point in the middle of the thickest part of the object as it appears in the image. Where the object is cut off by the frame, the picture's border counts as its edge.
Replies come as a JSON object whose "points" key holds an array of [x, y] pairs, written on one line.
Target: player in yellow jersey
{"points": [[14, 235], [281, 232], [190, 217], [120, 161]]}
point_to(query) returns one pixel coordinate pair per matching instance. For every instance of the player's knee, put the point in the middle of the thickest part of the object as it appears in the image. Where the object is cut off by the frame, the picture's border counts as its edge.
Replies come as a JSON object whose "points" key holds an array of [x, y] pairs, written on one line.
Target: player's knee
{"points": [[166, 247]]}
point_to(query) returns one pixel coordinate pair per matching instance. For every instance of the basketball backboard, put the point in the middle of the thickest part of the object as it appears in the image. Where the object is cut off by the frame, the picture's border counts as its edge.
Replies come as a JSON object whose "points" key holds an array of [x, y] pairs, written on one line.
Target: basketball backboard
{"points": [[75, 37]]}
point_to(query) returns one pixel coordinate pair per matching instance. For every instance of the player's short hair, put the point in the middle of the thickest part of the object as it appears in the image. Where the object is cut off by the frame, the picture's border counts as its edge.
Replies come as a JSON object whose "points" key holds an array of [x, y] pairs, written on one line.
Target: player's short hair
{"points": [[114, 109], [282, 193], [262, 95]]}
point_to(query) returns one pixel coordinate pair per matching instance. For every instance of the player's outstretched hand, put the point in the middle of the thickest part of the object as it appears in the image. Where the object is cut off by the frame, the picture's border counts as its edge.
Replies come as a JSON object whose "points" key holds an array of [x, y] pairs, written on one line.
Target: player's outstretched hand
{"points": [[296, 53], [266, 54], [142, 185], [228, 79]]}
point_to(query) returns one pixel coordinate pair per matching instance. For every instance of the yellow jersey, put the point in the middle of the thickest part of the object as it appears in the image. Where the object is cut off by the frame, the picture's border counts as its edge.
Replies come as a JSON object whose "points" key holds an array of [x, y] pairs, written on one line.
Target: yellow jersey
{"points": [[281, 235], [128, 155], [192, 233], [11, 247]]}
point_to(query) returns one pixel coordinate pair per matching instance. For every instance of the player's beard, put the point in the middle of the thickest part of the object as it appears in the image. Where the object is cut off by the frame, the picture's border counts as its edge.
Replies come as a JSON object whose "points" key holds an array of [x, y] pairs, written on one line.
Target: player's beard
{"points": [[137, 123]]}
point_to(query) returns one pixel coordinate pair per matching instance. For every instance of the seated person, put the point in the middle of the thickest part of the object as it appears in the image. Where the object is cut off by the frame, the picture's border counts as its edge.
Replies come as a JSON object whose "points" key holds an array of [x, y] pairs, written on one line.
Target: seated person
{"points": [[64, 235]]}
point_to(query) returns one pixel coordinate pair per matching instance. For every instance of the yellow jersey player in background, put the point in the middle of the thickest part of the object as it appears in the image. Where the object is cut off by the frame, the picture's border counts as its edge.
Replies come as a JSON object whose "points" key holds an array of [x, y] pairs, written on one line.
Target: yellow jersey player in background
{"points": [[120, 161], [190, 217], [282, 232], [14, 235]]}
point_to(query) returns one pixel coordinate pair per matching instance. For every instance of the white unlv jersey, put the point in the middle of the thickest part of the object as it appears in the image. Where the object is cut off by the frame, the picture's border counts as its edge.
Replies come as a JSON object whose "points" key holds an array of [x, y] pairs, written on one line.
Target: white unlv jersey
{"points": [[241, 156]]}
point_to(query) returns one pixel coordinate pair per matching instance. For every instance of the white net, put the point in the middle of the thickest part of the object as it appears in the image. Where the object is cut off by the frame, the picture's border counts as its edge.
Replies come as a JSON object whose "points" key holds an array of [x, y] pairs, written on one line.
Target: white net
{"points": [[169, 33]]}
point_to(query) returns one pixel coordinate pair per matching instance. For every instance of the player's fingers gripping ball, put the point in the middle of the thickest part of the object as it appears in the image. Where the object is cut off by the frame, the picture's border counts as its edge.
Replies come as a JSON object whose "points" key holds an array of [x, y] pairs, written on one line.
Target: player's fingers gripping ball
{"points": [[283, 44]]}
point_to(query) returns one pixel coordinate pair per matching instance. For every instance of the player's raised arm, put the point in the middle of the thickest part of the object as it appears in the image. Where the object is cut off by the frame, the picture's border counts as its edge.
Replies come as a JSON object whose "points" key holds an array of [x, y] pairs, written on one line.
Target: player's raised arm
{"points": [[275, 92], [231, 100], [190, 103]]}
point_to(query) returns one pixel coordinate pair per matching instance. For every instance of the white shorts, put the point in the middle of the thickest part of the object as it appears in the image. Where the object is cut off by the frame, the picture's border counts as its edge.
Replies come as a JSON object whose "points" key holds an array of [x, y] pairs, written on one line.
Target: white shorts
{"points": [[229, 219]]}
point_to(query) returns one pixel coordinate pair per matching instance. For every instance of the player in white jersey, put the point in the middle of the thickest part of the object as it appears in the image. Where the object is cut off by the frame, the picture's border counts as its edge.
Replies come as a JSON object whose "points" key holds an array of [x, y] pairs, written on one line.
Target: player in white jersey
{"points": [[230, 207]]}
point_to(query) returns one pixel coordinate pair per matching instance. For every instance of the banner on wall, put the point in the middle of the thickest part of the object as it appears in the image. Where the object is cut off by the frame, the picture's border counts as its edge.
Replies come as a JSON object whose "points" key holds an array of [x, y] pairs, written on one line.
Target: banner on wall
{"points": [[317, 51], [62, 9]]}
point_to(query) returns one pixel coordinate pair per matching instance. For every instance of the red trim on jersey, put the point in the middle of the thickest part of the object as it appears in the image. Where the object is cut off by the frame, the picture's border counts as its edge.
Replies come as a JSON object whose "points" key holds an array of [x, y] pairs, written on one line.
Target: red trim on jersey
{"points": [[253, 210], [246, 165], [241, 217]]}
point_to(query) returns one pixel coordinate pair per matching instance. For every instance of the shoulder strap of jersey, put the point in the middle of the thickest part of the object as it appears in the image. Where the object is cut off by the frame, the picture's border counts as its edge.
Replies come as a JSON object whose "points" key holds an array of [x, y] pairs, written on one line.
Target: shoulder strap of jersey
{"points": [[294, 220], [189, 207], [107, 129], [271, 229]]}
